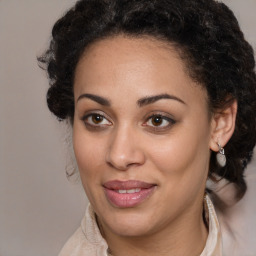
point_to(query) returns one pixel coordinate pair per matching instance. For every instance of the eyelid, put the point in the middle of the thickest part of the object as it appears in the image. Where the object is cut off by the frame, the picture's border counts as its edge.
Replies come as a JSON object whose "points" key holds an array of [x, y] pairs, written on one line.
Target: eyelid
{"points": [[159, 113], [164, 116], [95, 112]]}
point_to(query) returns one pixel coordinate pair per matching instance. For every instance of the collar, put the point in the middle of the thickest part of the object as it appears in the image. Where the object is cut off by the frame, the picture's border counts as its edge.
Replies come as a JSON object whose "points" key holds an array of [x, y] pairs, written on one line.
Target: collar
{"points": [[93, 236]]}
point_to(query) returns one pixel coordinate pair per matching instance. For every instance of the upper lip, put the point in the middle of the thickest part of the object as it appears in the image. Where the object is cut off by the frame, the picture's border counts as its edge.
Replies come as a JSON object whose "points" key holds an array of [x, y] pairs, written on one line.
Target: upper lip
{"points": [[129, 184]]}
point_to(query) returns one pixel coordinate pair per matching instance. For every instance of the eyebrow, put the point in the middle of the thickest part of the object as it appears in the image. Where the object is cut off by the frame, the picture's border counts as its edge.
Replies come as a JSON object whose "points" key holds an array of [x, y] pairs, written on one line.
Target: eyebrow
{"points": [[141, 102], [102, 101], [152, 99]]}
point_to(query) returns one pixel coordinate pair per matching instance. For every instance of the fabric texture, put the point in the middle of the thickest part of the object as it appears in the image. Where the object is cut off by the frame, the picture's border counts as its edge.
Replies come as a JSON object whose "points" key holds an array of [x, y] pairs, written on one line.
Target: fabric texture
{"points": [[87, 240]]}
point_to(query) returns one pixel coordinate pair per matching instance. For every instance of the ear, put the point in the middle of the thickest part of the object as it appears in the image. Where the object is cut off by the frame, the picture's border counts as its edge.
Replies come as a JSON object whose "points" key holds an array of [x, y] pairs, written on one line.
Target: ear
{"points": [[223, 126]]}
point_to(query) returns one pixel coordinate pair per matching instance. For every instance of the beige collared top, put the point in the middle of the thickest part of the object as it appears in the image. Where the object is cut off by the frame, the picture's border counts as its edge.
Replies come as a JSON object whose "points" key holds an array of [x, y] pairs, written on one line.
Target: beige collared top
{"points": [[87, 240]]}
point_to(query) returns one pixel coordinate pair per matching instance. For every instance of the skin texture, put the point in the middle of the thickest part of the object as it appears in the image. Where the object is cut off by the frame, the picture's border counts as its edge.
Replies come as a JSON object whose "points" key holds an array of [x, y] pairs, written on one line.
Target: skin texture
{"points": [[127, 145]]}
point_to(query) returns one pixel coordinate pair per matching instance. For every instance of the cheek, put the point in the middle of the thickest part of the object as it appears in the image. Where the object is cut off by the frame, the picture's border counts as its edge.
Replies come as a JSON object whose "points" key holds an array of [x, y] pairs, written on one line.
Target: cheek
{"points": [[88, 155], [87, 152], [183, 158]]}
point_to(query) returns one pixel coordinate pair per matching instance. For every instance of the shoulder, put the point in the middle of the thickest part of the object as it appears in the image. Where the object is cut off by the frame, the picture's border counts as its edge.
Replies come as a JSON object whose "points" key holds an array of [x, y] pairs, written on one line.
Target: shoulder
{"points": [[74, 244], [87, 240]]}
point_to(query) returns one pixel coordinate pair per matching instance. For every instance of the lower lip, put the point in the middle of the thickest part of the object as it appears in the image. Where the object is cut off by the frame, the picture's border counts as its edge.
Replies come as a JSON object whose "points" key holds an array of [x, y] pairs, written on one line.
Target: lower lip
{"points": [[127, 200]]}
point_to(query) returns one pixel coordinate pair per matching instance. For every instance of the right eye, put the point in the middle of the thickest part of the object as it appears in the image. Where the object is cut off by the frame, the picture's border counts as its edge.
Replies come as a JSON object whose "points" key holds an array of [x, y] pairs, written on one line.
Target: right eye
{"points": [[95, 119]]}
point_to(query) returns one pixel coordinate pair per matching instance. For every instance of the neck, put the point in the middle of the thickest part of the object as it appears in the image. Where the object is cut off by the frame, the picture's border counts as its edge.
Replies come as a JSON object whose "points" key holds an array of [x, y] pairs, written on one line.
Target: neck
{"points": [[186, 235]]}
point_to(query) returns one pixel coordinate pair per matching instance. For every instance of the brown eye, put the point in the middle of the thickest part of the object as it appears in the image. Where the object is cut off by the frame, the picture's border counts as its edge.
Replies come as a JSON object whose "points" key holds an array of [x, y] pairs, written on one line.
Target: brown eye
{"points": [[157, 120], [97, 119]]}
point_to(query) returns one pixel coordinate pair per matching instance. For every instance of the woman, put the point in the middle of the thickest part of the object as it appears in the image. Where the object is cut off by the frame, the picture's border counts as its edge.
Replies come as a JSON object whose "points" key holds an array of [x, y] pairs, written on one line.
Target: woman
{"points": [[161, 98]]}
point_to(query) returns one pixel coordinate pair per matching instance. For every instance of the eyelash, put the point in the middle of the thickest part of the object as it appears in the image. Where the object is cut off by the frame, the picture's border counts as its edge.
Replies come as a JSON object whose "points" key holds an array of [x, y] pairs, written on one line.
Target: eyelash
{"points": [[95, 126], [163, 118], [170, 121]]}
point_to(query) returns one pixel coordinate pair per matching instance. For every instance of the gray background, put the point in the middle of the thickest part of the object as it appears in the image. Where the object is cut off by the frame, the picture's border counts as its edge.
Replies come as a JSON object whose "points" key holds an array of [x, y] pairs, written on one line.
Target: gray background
{"points": [[39, 208]]}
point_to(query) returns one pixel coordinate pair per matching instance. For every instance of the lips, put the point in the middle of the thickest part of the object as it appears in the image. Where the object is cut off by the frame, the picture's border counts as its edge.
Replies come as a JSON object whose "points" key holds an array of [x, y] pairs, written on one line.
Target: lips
{"points": [[125, 194]]}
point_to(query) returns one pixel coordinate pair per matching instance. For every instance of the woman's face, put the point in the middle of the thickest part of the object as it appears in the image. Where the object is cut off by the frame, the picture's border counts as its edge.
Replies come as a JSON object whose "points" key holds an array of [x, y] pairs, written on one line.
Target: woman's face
{"points": [[141, 135]]}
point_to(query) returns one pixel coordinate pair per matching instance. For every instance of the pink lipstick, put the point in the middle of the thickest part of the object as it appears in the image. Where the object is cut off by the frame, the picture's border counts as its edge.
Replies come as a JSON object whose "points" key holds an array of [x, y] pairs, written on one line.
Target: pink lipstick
{"points": [[125, 194]]}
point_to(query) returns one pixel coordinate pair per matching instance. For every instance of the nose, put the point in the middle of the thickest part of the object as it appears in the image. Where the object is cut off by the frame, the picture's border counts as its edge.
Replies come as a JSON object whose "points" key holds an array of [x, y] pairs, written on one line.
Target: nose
{"points": [[124, 150]]}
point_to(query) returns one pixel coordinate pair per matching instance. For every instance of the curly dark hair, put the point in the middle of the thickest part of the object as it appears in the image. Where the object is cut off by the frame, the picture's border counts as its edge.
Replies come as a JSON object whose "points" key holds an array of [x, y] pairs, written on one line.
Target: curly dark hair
{"points": [[208, 37]]}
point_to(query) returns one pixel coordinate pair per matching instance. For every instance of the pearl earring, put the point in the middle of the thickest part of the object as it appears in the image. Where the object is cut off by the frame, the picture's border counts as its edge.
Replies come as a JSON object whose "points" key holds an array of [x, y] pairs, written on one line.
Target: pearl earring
{"points": [[220, 157]]}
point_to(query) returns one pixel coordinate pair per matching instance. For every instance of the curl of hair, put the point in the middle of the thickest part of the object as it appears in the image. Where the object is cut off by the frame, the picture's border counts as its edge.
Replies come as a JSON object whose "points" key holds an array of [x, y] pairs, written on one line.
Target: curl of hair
{"points": [[211, 43]]}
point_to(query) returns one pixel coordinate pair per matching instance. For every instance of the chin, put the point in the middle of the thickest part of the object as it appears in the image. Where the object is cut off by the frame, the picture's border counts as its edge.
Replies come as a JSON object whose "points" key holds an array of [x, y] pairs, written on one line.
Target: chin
{"points": [[128, 224], [131, 230]]}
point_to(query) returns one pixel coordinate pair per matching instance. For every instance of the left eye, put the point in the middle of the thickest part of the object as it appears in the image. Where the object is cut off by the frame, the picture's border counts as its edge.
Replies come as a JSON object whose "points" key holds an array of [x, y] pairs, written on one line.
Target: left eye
{"points": [[158, 121]]}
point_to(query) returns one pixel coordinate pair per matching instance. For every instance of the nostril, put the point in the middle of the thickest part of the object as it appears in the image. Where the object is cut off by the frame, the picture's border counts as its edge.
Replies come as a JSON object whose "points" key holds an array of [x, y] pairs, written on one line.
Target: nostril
{"points": [[124, 150], [120, 165], [125, 162]]}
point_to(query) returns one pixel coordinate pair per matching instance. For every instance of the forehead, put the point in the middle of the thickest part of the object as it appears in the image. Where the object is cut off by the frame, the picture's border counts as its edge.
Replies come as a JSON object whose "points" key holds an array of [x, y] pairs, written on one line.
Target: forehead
{"points": [[122, 65], [130, 53]]}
